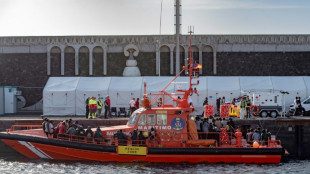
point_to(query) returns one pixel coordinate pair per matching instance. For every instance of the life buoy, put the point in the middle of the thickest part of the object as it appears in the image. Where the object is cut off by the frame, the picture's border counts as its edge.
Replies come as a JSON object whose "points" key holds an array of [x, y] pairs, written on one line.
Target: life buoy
{"points": [[254, 110], [164, 136], [178, 137]]}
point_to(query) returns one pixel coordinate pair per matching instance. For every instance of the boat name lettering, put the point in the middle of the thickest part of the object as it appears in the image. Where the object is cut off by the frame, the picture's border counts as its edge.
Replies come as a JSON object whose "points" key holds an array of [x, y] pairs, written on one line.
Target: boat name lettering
{"points": [[156, 127]]}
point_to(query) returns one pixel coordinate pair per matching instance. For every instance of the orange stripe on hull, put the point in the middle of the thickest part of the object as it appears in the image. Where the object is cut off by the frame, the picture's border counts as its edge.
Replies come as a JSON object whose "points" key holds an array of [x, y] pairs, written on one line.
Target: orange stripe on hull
{"points": [[62, 153]]}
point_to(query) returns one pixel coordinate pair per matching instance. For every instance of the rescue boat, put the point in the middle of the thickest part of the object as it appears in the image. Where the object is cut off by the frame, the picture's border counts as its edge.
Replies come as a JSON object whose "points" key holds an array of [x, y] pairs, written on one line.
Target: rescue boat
{"points": [[168, 134]]}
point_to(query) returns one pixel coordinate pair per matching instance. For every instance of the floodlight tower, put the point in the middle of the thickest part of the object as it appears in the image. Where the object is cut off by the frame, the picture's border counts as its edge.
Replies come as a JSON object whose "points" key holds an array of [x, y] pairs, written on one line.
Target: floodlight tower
{"points": [[177, 24]]}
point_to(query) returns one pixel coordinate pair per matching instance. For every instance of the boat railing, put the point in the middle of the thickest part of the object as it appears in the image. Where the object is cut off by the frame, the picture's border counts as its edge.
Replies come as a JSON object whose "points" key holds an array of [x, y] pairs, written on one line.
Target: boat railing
{"points": [[229, 139], [101, 141], [22, 127], [209, 139]]}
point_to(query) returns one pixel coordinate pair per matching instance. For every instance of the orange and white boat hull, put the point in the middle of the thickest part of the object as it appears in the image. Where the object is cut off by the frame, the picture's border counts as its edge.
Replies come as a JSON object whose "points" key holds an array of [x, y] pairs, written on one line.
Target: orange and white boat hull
{"points": [[45, 151]]}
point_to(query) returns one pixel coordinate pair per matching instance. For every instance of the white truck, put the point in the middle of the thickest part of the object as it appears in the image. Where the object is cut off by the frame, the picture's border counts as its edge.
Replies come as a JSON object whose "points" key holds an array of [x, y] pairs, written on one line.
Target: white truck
{"points": [[270, 102]]}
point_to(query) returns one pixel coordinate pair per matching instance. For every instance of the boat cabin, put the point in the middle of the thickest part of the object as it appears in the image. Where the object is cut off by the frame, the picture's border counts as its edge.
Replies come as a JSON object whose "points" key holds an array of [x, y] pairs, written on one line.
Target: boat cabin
{"points": [[168, 121]]}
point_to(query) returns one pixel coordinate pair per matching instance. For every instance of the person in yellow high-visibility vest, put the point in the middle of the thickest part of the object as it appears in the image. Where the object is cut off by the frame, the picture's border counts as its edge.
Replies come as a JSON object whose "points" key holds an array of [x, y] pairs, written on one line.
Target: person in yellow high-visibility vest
{"points": [[95, 107], [99, 106], [242, 107], [91, 109]]}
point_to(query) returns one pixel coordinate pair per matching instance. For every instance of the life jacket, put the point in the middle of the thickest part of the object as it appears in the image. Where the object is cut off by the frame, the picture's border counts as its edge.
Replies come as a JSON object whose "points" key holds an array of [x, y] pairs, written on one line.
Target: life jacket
{"points": [[248, 102], [99, 104], [242, 104]]}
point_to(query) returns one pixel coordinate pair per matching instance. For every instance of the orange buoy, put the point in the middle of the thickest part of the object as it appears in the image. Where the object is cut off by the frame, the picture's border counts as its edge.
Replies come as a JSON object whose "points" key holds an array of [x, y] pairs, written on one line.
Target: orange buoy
{"points": [[255, 144]]}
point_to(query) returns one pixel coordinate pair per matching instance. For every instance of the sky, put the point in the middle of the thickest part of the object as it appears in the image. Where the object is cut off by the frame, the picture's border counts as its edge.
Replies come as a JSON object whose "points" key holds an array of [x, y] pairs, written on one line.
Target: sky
{"points": [[142, 17]]}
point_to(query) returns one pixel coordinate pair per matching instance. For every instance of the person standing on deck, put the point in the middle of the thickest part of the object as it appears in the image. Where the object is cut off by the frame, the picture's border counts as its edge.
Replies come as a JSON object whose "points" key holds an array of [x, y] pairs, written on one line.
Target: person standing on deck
{"points": [[218, 105], [95, 108], [107, 104], [223, 101], [137, 104], [242, 107], [247, 107], [87, 106], [90, 105], [99, 107], [132, 105]]}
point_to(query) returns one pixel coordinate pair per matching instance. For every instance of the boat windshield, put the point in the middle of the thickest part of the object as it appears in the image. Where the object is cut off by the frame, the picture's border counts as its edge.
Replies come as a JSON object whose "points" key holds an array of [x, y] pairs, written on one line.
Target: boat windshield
{"points": [[133, 119], [134, 116]]}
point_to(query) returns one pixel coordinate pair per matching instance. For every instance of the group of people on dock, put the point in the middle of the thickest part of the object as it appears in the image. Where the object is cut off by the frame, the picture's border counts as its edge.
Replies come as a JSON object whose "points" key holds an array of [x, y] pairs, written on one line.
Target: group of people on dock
{"points": [[245, 106], [94, 107]]}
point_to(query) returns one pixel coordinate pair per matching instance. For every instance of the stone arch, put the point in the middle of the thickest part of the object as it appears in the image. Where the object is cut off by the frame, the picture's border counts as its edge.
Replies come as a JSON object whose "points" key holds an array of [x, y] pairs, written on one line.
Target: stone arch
{"points": [[69, 61], [84, 61], [207, 60], [165, 60], [55, 61], [98, 61], [182, 58], [195, 53]]}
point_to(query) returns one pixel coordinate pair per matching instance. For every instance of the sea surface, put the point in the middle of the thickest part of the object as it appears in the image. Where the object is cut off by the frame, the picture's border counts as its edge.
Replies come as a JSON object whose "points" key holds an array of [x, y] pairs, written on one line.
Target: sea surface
{"points": [[23, 165]]}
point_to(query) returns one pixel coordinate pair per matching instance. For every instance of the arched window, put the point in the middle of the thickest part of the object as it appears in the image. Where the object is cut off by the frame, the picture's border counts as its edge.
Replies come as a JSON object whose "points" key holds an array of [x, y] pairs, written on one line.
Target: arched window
{"points": [[207, 60], [182, 59], [69, 61], [98, 61], [165, 61], [55, 61], [84, 61]]}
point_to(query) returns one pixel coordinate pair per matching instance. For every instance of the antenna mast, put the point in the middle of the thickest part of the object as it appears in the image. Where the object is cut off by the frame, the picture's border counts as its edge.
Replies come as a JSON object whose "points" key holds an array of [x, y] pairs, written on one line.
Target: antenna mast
{"points": [[177, 34]]}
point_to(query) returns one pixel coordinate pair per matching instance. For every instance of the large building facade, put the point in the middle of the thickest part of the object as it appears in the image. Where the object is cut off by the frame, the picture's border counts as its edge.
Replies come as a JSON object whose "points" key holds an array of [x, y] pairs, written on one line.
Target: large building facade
{"points": [[27, 62]]}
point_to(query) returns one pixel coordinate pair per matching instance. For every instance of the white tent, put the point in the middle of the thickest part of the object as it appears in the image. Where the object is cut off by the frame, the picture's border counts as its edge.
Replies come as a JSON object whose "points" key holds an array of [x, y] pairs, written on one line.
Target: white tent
{"points": [[248, 83], [90, 87], [66, 95], [59, 96], [202, 94], [294, 85], [155, 84], [122, 89], [307, 83], [227, 87]]}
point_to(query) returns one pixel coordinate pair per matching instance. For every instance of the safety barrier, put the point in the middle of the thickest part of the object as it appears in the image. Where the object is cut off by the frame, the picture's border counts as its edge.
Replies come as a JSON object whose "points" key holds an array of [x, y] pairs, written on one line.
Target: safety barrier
{"points": [[23, 127], [208, 111], [224, 111], [234, 111]]}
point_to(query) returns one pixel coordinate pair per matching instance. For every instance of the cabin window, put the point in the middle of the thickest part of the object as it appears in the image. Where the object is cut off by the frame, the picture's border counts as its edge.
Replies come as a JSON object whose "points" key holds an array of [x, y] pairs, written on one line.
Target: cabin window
{"points": [[161, 119], [142, 119], [151, 120], [275, 99]]}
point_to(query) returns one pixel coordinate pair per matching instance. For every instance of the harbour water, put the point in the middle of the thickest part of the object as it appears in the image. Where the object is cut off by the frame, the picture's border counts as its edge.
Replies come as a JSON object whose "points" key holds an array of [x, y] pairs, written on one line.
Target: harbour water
{"points": [[23, 165]]}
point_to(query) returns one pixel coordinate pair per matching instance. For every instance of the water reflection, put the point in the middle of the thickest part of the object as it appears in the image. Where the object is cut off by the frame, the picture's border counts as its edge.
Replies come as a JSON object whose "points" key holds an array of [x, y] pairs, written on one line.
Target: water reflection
{"points": [[24, 165]]}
